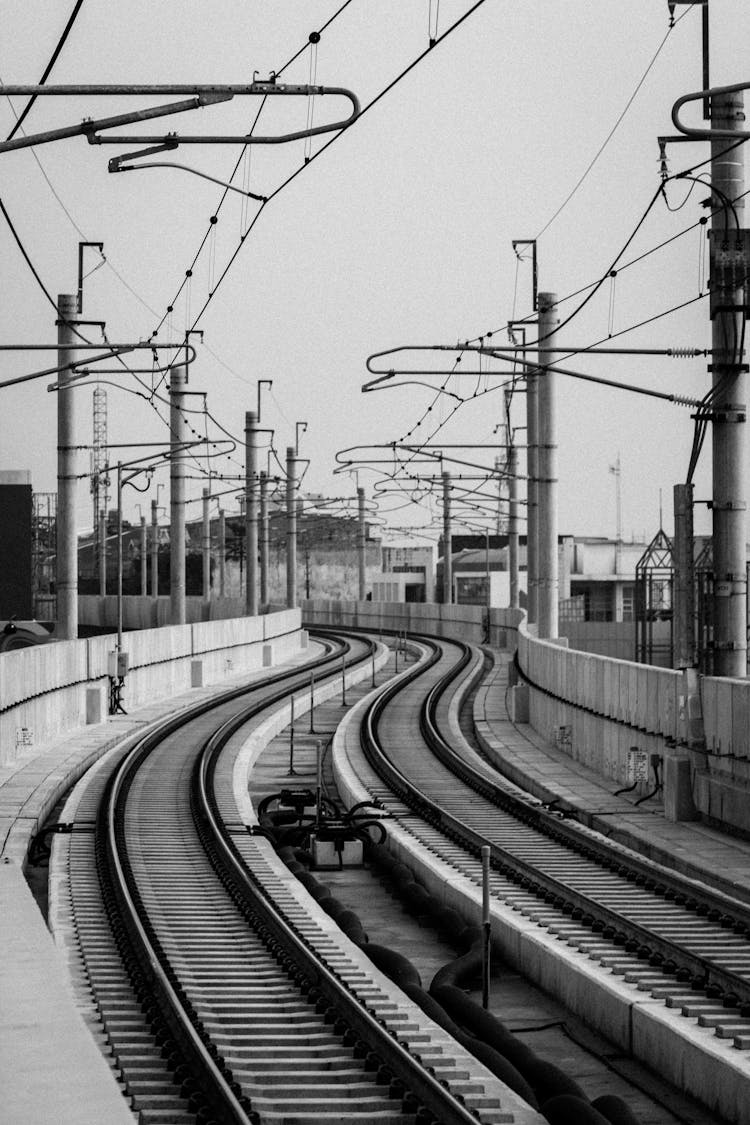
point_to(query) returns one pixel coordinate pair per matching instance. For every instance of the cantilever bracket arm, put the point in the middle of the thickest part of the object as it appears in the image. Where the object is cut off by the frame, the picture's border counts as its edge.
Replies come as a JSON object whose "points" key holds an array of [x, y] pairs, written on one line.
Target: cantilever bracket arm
{"points": [[704, 134], [202, 95]]}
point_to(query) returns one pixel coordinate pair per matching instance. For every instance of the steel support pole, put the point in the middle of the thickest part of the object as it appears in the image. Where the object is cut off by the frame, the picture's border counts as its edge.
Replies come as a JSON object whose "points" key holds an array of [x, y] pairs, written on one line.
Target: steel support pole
{"points": [[67, 485], [291, 528], [205, 547], [263, 538], [447, 542], [361, 544], [729, 405], [102, 538], [513, 526], [154, 550], [119, 557], [251, 512], [532, 509], [548, 582], [179, 437], [222, 554], [144, 558]]}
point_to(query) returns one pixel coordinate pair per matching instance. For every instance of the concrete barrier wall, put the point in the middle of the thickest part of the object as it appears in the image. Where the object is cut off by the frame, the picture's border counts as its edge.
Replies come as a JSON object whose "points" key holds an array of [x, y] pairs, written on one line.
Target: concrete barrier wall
{"points": [[151, 613], [599, 709], [464, 622], [45, 691]]}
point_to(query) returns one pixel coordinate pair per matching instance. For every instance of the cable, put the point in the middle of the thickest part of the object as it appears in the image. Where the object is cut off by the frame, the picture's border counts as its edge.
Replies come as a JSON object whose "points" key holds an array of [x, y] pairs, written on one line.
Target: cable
{"points": [[612, 131], [47, 70], [314, 156]]}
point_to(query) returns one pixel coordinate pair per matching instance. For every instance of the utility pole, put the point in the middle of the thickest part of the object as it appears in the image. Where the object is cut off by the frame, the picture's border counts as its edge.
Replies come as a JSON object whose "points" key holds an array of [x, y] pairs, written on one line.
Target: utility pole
{"points": [[179, 437], [548, 585], [154, 549], [532, 504], [447, 542], [361, 543], [513, 525], [67, 534], [263, 537], [251, 512], [729, 381], [222, 554], [144, 558], [102, 536], [291, 529], [206, 548]]}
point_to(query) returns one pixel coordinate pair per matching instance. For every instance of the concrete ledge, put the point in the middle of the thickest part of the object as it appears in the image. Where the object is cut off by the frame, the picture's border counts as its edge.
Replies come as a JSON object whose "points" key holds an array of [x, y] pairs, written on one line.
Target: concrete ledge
{"points": [[716, 1073], [43, 1039]]}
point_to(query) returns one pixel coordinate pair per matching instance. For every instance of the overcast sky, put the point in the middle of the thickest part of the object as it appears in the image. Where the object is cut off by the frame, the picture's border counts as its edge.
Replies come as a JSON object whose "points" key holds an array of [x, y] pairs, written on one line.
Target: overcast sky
{"points": [[398, 233]]}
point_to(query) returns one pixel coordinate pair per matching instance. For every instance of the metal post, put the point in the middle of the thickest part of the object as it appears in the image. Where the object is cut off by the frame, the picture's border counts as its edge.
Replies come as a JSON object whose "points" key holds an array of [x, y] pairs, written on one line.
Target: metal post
{"points": [[222, 554], [730, 389], [154, 550], [251, 512], [177, 470], [119, 556], [291, 772], [312, 703], [532, 473], [144, 558], [343, 680], [206, 548], [513, 526], [361, 543], [67, 484], [486, 927], [447, 542], [291, 529], [263, 538], [683, 599], [102, 553], [548, 582]]}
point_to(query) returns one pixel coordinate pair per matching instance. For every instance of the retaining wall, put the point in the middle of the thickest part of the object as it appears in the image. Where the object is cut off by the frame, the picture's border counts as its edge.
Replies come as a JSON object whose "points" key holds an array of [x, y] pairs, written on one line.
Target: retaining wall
{"points": [[464, 622], [46, 690], [597, 708]]}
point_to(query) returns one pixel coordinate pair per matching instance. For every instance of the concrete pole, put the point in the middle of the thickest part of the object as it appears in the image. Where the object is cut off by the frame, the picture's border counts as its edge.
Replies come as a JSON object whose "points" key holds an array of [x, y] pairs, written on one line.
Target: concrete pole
{"points": [[119, 557], [222, 554], [263, 538], [67, 485], [251, 512], [154, 550], [102, 540], [547, 577], [513, 527], [361, 544], [178, 461], [206, 548], [532, 511], [447, 542], [729, 406], [291, 529], [144, 558]]}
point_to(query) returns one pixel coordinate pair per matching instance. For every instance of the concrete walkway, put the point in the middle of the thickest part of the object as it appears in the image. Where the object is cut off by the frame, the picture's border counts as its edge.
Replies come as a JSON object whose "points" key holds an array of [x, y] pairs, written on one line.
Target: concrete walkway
{"points": [[551, 775]]}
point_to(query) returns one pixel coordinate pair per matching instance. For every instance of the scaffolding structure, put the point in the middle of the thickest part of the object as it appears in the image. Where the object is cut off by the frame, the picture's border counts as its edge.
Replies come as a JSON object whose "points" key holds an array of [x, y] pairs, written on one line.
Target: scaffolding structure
{"points": [[654, 579]]}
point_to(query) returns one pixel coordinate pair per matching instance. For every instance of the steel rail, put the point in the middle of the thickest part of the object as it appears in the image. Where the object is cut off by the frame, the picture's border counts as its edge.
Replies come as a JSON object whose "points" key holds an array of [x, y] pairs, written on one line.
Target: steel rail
{"points": [[702, 972], [367, 1027], [122, 899]]}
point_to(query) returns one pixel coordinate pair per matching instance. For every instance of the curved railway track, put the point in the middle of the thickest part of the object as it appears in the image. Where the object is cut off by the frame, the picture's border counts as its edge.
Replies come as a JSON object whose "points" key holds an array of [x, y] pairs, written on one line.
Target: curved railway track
{"points": [[669, 936], [214, 1002]]}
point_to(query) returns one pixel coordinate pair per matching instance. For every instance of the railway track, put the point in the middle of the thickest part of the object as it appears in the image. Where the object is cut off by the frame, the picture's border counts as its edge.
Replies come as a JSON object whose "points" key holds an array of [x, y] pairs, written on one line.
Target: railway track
{"points": [[672, 938], [212, 991]]}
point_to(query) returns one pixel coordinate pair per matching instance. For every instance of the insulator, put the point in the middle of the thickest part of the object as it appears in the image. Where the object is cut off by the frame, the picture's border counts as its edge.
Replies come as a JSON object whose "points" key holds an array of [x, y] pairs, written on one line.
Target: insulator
{"points": [[683, 353]]}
